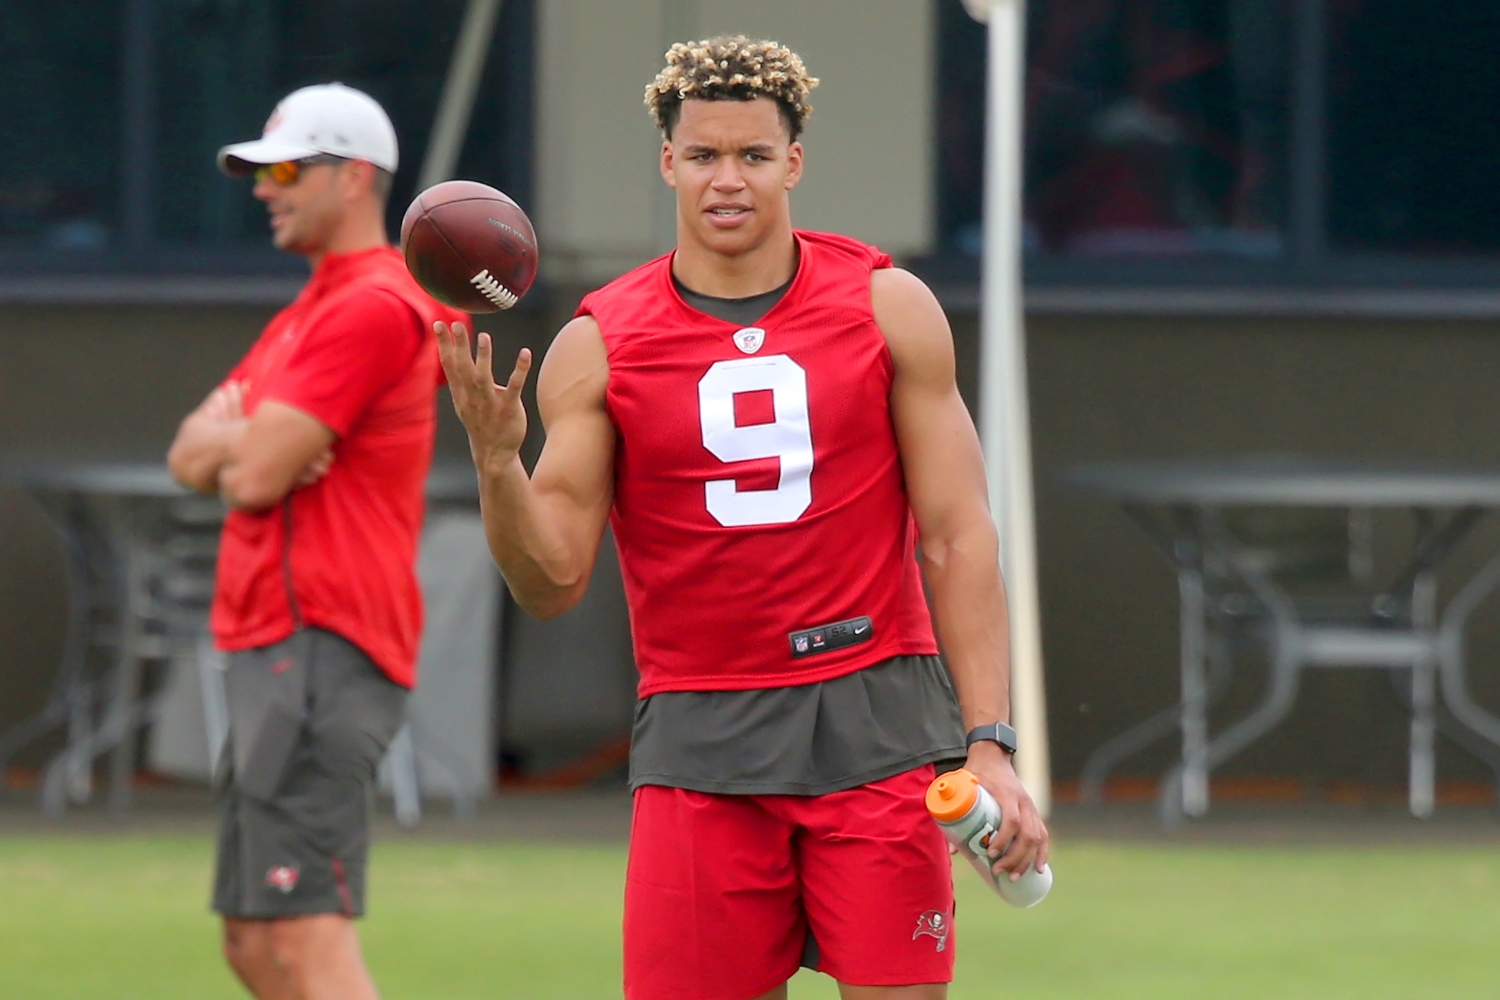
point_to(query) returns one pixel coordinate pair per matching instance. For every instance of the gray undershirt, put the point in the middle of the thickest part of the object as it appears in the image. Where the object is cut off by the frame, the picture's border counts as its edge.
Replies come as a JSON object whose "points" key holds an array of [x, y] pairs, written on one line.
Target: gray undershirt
{"points": [[811, 739]]}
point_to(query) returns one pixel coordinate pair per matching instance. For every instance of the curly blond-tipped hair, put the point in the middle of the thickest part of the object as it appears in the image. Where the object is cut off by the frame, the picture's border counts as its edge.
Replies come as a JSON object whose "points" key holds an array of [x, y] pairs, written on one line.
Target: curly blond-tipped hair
{"points": [[731, 68]]}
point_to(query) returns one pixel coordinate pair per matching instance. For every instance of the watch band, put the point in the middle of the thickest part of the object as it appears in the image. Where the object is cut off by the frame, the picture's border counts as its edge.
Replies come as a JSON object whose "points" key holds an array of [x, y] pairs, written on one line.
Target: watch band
{"points": [[995, 732]]}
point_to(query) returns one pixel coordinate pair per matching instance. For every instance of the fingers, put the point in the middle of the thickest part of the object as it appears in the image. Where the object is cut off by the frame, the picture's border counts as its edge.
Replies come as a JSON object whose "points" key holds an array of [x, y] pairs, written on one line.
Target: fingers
{"points": [[484, 357], [453, 351], [234, 399], [483, 377], [1010, 823], [215, 407], [517, 380], [1004, 842], [493, 414], [1027, 848], [317, 468], [225, 403], [477, 369]]}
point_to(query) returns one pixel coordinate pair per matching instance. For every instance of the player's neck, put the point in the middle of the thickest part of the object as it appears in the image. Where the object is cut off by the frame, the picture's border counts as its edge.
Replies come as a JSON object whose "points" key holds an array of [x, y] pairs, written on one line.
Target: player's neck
{"points": [[723, 276], [363, 231]]}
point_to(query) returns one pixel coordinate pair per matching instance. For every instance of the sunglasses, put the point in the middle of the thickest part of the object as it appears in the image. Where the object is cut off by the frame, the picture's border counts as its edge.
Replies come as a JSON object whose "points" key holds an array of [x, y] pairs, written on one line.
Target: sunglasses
{"points": [[289, 172]]}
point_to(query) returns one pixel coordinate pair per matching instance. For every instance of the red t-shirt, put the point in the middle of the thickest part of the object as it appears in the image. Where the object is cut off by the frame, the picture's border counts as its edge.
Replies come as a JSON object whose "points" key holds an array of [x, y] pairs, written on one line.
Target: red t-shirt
{"points": [[758, 487], [356, 352]]}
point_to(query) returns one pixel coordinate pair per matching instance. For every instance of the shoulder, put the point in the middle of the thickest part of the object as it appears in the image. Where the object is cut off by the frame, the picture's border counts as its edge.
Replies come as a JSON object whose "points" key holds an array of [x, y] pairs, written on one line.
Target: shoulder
{"points": [[911, 320], [832, 246], [575, 370], [373, 309], [579, 335], [901, 299], [382, 287]]}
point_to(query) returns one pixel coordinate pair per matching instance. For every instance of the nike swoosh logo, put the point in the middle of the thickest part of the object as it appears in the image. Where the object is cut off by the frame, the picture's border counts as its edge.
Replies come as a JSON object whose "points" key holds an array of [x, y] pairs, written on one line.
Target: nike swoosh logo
{"points": [[281, 666], [861, 629]]}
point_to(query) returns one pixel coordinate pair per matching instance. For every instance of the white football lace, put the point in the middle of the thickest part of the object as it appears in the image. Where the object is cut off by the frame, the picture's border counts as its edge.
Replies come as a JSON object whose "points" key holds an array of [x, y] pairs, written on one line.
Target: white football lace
{"points": [[493, 290]]}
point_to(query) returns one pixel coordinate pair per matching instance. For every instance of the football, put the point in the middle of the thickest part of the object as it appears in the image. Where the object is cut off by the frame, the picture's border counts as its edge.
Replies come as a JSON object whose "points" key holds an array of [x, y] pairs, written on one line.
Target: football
{"points": [[470, 246]]}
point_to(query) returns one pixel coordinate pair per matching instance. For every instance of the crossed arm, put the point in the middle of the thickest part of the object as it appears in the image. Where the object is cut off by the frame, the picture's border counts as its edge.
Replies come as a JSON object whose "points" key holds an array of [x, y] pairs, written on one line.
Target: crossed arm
{"points": [[254, 462]]}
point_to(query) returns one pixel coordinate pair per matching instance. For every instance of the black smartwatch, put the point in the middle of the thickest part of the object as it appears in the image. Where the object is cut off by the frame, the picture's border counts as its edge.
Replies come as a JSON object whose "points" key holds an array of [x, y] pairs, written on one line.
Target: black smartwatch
{"points": [[995, 732]]}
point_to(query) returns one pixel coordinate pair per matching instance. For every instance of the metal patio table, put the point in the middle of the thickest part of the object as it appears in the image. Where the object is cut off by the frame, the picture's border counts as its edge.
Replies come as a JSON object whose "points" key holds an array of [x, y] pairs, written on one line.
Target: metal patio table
{"points": [[1185, 507], [102, 512]]}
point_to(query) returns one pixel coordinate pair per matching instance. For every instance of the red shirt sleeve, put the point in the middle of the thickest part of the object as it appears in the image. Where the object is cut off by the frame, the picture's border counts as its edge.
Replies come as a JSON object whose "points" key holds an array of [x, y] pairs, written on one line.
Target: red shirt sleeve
{"points": [[353, 354]]}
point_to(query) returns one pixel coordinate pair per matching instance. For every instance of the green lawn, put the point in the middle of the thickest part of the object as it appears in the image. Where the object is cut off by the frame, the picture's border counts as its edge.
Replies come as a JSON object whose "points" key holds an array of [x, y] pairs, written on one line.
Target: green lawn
{"points": [[125, 918]]}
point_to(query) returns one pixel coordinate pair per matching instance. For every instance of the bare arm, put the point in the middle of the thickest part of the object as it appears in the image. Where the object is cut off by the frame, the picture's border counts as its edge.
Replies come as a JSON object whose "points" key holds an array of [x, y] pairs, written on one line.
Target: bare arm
{"points": [[253, 463], [945, 484], [205, 438], [281, 448], [544, 529]]}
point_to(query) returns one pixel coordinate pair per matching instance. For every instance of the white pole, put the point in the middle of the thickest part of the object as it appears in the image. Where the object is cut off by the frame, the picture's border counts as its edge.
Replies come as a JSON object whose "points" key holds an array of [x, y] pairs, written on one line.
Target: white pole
{"points": [[457, 102], [1004, 410]]}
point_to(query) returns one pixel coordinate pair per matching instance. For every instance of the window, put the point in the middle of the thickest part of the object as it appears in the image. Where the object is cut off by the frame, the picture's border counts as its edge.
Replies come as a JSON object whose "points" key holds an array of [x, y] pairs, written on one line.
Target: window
{"points": [[1414, 150], [1156, 129], [59, 88], [1319, 142], [124, 105], [1152, 129]]}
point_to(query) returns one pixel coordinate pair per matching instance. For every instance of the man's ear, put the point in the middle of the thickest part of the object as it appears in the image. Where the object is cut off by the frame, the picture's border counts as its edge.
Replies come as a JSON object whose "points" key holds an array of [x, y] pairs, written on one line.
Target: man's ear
{"points": [[667, 157], [793, 165], [359, 178]]}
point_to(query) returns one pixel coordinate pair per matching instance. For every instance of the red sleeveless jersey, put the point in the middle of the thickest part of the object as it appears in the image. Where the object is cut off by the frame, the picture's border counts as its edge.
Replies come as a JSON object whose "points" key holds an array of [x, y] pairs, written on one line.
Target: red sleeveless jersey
{"points": [[760, 512]]}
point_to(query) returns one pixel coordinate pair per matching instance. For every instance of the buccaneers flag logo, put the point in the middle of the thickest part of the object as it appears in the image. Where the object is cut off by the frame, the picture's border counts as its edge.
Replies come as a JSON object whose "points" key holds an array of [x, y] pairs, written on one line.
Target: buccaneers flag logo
{"points": [[933, 924], [283, 878]]}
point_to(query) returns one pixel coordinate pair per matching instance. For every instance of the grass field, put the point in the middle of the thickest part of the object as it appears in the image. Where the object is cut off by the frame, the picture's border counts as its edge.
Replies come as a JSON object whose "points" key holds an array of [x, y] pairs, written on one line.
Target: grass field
{"points": [[124, 918]]}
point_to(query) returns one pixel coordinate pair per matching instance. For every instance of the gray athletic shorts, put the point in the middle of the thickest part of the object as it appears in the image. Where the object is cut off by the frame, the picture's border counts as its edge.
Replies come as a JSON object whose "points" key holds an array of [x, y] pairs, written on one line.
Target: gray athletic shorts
{"points": [[309, 720]]}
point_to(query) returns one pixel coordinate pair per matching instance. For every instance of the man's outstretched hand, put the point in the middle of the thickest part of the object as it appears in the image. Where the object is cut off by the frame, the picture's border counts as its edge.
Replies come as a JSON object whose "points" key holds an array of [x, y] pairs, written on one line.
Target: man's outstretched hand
{"points": [[493, 414]]}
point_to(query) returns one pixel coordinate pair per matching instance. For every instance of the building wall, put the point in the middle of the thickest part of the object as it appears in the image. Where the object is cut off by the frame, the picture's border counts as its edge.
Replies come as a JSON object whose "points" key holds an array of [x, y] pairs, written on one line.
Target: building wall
{"points": [[99, 382], [1152, 388], [107, 382]]}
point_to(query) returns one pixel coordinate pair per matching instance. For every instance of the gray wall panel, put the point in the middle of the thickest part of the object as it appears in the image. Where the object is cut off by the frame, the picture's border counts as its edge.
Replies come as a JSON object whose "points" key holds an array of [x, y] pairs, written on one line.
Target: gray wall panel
{"points": [[100, 381]]}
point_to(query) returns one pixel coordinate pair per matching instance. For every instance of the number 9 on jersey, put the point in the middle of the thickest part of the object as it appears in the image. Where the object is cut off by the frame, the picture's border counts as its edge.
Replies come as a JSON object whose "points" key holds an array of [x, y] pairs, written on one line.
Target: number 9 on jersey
{"points": [[788, 437]]}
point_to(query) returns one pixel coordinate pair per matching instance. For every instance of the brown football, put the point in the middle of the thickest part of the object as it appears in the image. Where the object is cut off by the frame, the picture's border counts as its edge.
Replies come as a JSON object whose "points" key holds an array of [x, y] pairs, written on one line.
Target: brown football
{"points": [[470, 246]]}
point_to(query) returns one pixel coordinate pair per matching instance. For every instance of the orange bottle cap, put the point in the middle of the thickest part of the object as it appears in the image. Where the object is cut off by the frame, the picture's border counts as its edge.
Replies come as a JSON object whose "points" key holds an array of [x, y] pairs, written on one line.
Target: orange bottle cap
{"points": [[952, 795]]}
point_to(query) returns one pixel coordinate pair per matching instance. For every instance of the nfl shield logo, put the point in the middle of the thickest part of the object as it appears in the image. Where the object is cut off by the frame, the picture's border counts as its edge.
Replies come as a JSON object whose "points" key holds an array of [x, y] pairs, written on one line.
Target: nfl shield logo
{"points": [[801, 643], [750, 339]]}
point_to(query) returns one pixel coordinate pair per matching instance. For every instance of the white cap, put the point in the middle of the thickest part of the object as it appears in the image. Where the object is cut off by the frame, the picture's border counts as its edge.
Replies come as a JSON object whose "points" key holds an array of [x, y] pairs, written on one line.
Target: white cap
{"points": [[324, 118]]}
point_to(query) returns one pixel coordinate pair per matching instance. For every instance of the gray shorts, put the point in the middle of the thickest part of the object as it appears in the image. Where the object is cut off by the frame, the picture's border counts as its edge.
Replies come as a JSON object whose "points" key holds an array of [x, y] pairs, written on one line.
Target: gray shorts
{"points": [[309, 720]]}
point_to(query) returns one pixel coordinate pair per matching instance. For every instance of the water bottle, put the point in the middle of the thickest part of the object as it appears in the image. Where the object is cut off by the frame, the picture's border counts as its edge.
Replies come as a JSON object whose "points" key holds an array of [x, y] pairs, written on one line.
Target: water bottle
{"points": [[969, 816]]}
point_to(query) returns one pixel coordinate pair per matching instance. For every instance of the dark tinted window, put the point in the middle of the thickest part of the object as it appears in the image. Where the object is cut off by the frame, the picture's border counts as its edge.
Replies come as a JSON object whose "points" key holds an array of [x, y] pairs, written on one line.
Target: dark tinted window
{"points": [[1414, 144], [224, 66], [1153, 127], [111, 112], [59, 124], [216, 81]]}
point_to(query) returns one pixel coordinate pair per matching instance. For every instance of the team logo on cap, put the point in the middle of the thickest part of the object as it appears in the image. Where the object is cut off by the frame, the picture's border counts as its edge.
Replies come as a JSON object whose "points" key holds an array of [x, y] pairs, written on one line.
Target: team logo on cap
{"points": [[750, 339], [933, 924], [283, 878]]}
